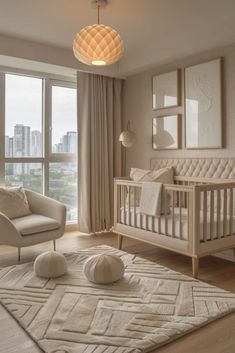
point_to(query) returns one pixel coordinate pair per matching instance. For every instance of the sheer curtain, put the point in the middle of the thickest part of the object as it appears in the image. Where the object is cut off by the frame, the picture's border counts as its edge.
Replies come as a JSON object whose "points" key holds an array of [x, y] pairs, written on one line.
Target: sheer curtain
{"points": [[99, 151]]}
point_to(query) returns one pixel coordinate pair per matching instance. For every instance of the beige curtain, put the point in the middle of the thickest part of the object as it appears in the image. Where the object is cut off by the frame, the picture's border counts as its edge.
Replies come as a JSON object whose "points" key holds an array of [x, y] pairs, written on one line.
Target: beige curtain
{"points": [[99, 151]]}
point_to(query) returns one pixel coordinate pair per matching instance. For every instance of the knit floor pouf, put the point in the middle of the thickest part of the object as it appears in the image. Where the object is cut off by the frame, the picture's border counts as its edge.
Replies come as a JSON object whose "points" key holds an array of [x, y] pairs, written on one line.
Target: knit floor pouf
{"points": [[103, 268], [50, 264]]}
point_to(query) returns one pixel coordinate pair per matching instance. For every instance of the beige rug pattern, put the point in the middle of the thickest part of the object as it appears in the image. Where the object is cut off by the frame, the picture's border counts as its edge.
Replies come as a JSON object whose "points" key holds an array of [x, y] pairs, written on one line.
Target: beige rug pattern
{"points": [[151, 306]]}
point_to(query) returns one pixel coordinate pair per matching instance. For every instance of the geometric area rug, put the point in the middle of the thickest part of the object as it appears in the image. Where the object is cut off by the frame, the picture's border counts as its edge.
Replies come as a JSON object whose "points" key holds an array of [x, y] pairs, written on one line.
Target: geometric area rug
{"points": [[151, 306]]}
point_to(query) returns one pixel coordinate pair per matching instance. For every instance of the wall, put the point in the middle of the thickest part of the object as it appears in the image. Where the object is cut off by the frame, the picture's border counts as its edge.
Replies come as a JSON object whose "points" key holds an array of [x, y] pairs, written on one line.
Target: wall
{"points": [[38, 52], [138, 109]]}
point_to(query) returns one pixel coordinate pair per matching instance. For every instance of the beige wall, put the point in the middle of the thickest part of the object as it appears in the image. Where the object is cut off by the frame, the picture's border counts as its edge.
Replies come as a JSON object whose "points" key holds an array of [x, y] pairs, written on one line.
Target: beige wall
{"points": [[138, 109], [43, 53]]}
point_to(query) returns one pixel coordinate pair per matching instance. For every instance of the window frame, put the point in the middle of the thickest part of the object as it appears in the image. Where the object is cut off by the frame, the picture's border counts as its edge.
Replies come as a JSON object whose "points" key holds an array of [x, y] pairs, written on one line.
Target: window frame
{"points": [[52, 83], [48, 81]]}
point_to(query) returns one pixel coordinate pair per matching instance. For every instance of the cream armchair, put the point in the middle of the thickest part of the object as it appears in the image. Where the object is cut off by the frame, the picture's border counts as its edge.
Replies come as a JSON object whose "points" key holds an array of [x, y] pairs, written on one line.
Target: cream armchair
{"points": [[47, 222]]}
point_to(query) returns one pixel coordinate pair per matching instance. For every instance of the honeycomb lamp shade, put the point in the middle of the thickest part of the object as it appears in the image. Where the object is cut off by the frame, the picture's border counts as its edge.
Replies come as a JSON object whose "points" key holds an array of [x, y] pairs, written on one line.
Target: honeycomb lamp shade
{"points": [[98, 45]]}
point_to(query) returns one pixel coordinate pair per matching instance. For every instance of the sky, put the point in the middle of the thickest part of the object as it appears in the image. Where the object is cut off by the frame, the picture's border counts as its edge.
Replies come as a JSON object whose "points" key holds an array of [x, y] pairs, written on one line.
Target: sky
{"points": [[24, 106]]}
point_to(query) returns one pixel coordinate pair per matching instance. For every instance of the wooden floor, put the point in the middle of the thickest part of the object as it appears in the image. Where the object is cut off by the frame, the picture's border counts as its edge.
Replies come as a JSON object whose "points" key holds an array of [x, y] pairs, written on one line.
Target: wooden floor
{"points": [[217, 337]]}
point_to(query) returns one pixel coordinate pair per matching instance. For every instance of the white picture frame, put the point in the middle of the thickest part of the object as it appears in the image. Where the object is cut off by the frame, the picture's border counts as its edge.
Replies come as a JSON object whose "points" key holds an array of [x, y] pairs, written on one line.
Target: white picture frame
{"points": [[203, 105], [166, 90], [165, 132]]}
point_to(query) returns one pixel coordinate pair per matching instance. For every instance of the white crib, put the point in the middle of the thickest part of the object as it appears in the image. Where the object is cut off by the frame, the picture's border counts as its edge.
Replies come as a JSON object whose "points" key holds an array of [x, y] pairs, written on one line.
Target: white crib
{"points": [[202, 213]]}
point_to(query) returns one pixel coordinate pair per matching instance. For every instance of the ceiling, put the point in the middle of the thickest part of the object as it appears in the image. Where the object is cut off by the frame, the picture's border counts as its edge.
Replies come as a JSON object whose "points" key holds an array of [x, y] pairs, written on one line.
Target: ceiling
{"points": [[154, 31]]}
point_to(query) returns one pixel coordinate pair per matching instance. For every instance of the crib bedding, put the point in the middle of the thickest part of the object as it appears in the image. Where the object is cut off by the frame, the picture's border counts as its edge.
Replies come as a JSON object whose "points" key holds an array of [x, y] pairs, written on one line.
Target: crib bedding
{"points": [[159, 225]]}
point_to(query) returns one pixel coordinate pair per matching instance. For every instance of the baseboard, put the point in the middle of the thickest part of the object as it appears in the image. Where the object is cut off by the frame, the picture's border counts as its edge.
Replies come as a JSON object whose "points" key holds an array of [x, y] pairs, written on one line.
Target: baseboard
{"points": [[71, 227], [226, 255]]}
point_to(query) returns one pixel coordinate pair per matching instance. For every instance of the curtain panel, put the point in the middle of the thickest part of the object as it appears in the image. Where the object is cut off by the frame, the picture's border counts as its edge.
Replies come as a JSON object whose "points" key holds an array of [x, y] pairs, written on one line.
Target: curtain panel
{"points": [[99, 151]]}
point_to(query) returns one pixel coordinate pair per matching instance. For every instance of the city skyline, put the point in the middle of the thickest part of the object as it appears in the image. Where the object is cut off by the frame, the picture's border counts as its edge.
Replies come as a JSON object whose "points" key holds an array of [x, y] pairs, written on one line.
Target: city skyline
{"points": [[24, 102], [26, 142], [24, 137]]}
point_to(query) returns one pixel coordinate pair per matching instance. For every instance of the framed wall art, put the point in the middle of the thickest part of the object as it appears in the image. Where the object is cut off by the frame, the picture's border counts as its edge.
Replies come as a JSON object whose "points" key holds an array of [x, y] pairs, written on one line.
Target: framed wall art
{"points": [[166, 90], [203, 105], [166, 132]]}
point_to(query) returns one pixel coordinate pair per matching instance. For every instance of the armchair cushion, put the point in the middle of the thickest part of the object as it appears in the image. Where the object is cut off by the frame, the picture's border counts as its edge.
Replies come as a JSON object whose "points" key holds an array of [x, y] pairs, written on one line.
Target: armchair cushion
{"points": [[13, 202], [34, 223]]}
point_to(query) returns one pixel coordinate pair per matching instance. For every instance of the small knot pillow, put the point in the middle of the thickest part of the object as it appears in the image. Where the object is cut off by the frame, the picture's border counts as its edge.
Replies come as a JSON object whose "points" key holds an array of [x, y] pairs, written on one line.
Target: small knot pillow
{"points": [[50, 264], [103, 268]]}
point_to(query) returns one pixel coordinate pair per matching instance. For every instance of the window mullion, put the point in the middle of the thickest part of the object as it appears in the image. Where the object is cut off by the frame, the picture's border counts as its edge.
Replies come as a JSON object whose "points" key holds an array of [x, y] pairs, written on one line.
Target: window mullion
{"points": [[2, 128], [47, 133]]}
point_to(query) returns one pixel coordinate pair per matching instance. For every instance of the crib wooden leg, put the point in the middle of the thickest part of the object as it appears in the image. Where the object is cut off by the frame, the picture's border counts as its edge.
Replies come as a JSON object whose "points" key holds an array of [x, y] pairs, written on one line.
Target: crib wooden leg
{"points": [[195, 265], [120, 238], [234, 253], [54, 245]]}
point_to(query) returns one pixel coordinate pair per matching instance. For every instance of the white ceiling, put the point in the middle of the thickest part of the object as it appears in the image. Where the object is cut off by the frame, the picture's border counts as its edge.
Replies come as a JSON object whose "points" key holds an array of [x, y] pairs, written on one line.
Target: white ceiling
{"points": [[154, 31]]}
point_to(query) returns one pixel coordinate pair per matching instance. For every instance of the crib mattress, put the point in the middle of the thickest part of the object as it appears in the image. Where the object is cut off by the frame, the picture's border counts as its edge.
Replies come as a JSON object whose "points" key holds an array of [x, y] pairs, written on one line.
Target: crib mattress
{"points": [[159, 225]]}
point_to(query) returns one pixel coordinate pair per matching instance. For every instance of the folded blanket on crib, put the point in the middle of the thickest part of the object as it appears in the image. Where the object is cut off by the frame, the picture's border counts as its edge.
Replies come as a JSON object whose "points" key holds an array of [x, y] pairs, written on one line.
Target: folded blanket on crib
{"points": [[150, 200]]}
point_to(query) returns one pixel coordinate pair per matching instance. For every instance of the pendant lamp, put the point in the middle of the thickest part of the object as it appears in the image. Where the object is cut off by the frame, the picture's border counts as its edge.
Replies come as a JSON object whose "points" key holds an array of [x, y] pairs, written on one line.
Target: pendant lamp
{"points": [[98, 44]]}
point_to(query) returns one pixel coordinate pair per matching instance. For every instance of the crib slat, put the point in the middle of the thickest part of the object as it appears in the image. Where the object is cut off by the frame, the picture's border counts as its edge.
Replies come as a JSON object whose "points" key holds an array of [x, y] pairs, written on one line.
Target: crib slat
{"points": [[159, 224], [141, 221], [212, 214], [124, 203], [165, 213], [116, 208], [205, 215], [119, 200], [129, 188], [218, 214], [225, 213], [188, 213], [134, 200], [147, 222], [180, 213], [153, 225], [173, 214], [231, 211]]}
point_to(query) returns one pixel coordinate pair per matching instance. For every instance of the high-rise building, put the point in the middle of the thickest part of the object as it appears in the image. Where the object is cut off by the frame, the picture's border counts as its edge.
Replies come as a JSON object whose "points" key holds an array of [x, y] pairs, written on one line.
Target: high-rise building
{"points": [[72, 142], [11, 146], [21, 140], [64, 143], [69, 142], [7, 146], [21, 147], [58, 148], [36, 144]]}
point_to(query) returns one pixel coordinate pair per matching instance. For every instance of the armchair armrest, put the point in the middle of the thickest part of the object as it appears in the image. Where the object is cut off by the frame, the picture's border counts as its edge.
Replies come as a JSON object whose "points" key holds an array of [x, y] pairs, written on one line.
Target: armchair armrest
{"points": [[8, 233], [47, 207]]}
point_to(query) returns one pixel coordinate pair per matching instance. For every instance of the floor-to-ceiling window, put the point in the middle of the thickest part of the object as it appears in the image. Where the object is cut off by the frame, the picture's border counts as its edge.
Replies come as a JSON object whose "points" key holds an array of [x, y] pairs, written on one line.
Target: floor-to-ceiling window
{"points": [[38, 136]]}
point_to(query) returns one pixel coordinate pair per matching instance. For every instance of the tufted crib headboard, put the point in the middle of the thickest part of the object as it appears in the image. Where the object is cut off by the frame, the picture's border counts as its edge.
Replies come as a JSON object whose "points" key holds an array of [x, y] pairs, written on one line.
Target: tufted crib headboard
{"points": [[218, 168]]}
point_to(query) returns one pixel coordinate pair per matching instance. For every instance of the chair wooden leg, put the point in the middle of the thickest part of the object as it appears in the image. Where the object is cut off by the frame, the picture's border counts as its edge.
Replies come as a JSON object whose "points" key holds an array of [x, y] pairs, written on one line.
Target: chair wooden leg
{"points": [[195, 265], [120, 238], [19, 252], [54, 245], [234, 253]]}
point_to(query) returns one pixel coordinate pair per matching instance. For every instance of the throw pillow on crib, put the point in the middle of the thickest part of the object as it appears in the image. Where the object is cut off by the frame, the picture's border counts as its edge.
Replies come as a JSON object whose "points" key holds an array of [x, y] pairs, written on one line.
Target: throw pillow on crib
{"points": [[163, 175]]}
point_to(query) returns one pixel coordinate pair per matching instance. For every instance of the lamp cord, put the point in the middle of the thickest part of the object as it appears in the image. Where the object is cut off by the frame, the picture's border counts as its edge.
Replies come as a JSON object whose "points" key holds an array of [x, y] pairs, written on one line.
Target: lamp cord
{"points": [[98, 9]]}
